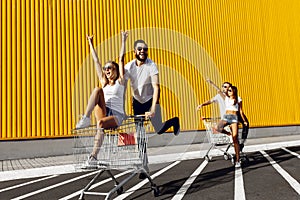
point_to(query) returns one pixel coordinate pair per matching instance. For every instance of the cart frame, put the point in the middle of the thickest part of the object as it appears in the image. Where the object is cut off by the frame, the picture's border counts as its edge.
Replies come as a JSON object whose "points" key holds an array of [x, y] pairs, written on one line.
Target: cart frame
{"points": [[216, 139], [112, 153]]}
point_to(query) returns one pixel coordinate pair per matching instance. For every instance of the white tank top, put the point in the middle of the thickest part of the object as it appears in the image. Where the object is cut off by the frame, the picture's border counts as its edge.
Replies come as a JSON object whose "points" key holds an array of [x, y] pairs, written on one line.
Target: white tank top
{"points": [[114, 96], [229, 105]]}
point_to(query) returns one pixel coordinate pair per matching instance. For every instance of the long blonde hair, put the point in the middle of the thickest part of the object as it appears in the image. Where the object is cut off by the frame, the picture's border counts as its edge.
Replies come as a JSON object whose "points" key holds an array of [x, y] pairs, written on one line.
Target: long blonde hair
{"points": [[117, 70]]}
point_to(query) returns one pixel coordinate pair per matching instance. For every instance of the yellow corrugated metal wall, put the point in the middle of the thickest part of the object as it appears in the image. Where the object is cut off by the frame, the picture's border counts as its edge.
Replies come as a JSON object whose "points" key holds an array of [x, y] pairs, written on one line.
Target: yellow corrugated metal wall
{"points": [[47, 75]]}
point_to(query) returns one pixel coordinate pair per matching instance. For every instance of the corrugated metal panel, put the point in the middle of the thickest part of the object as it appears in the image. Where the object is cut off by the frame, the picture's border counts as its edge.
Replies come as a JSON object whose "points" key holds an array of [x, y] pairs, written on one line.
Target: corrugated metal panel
{"points": [[47, 74]]}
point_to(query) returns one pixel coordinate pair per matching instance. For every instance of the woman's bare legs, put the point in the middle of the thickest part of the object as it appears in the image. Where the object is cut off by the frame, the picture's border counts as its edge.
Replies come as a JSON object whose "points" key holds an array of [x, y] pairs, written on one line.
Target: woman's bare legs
{"points": [[97, 103], [220, 127], [106, 122], [234, 130]]}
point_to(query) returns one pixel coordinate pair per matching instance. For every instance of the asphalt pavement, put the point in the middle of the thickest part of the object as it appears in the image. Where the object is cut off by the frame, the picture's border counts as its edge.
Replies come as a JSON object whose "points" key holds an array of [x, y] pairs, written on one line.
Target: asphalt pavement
{"points": [[179, 170], [156, 155]]}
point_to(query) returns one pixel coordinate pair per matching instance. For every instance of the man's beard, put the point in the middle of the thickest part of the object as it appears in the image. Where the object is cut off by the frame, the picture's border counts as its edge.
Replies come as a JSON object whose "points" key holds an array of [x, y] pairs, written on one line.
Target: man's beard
{"points": [[140, 59]]}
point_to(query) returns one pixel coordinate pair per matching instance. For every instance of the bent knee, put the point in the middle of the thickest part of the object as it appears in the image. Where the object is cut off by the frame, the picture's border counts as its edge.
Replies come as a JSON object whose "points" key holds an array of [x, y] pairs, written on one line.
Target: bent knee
{"points": [[98, 90], [100, 123]]}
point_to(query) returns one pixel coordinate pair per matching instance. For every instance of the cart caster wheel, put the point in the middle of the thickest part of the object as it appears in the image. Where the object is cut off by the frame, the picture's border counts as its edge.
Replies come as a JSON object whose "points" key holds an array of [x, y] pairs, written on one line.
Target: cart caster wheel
{"points": [[120, 190], [232, 161], [207, 158], [155, 190], [226, 157]]}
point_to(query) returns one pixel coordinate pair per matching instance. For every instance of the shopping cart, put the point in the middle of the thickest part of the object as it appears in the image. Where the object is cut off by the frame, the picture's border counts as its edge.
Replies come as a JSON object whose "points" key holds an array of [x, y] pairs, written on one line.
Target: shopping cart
{"points": [[217, 140], [123, 148]]}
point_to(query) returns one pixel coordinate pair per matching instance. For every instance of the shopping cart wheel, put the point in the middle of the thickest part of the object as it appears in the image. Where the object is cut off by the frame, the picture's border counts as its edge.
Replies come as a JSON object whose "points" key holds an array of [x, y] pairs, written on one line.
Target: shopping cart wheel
{"points": [[155, 190], [226, 157], [207, 158], [120, 190], [232, 160]]}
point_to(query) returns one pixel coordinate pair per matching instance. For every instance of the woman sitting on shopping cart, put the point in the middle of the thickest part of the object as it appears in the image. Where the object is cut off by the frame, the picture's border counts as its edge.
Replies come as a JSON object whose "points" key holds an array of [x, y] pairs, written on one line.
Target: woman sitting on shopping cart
{"points": [[230, 117], [108, 100]]}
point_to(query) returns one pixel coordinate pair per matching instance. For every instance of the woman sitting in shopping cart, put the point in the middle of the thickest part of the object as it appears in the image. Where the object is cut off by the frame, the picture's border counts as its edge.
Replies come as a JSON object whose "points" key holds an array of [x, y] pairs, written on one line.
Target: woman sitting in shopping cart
{"points": [[230, 117], [107, 100]]}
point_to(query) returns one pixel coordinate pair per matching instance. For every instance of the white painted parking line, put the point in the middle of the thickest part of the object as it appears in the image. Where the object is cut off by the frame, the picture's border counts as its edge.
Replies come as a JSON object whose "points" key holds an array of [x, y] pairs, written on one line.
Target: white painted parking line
{"points": [[293, 182], [139, 185], [215, 152], [155, 159], [54, 186], [239, 190], [36, 172], [27, 183], [291, 152], [94, 186], [181, 192]]}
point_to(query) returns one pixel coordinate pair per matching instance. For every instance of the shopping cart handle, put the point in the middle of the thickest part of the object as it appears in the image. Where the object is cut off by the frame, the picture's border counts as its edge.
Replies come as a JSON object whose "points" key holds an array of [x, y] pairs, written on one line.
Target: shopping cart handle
{"points": [[137, 117], [210, 118]]}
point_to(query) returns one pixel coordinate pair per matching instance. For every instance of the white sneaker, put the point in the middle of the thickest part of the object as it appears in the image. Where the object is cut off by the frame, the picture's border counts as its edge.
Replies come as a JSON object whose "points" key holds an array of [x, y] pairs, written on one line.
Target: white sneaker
{"points": [[90, 163], [83, 122], [238, 164]]}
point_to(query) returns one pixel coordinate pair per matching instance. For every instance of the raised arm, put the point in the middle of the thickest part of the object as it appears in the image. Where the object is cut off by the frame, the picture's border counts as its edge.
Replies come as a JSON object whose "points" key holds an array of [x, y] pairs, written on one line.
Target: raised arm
{"points": [[122, 54], [96, 59], [216, 87]]}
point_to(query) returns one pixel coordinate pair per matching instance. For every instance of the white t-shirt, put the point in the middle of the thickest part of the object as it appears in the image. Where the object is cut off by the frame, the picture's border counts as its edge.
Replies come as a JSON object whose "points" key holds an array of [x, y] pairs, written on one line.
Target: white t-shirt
{"points": [[229, 104], [218, 98], [141, 79], [114, 96]]}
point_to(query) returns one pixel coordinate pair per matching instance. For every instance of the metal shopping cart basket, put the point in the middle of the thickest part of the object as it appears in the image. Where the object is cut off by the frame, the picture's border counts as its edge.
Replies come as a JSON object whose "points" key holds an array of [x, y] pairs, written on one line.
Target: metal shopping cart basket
{"points": [[217, 140], [123, 148]]}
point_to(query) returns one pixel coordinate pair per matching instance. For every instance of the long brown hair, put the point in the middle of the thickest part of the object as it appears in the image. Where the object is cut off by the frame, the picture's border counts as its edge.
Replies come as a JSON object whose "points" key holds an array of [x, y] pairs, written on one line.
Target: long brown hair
{"points": [[234, 93]]}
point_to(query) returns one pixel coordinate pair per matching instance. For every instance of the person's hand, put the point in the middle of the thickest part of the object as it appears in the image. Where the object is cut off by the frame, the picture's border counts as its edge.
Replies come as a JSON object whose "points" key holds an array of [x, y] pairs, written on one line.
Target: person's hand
{"points": [[245, 123], [208, 80], [199, 107], [149, 114], [89, 37], [124, 35]]}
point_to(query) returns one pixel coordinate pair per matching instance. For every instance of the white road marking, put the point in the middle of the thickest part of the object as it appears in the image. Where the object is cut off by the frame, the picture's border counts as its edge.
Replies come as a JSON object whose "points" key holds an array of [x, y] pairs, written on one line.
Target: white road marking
{"points": [[27, 183], [36, 172], [181, 192], [293, 182], [239, 190], [53, 186], [291, 152], [139, 185]]}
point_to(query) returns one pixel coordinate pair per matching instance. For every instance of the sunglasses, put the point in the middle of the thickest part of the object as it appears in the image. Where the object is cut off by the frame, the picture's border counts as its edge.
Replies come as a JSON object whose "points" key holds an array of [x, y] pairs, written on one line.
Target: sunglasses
{"points": [[107, 67], [224, 86], [229, 90], [142, 48]]}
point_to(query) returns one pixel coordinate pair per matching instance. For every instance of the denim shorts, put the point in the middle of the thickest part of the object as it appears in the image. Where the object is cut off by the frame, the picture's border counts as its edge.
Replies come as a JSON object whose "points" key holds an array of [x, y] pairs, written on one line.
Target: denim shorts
{"points": [[119, 116], [230, 118]]}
